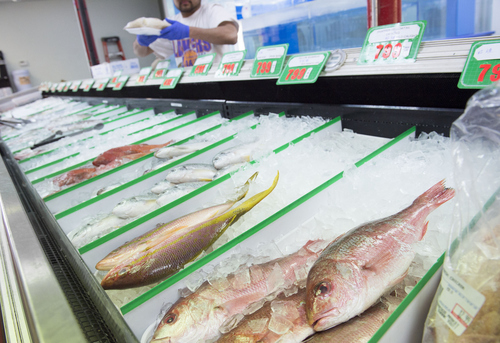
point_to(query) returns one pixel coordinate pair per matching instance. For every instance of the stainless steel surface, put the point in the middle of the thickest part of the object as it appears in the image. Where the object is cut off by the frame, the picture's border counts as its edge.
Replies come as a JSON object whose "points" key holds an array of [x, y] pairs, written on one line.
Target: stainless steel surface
{"points": [[32, 287]]}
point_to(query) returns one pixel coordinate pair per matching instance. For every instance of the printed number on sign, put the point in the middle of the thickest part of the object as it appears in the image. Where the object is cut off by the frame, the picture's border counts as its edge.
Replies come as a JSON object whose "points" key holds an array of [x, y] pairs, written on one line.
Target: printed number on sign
{"points": [[495, 72], [264, 67], [295, 74], [228, 68], [199, 69]]}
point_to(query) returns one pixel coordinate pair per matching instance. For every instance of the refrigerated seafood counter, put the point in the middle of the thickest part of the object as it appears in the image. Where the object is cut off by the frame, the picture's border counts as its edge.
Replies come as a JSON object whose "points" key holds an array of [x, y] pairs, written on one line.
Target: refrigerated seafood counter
{"points": [[118, 204]]}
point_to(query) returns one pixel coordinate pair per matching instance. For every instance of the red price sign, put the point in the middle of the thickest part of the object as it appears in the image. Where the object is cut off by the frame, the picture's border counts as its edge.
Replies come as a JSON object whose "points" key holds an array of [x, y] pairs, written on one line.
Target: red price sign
{"points": [[493, 74], [295, 73], [228, 68], [200, 69], [118, 84], [264, 67], [141, 78], [168, 82], [159, 73], [101, 86], [114, 79]]}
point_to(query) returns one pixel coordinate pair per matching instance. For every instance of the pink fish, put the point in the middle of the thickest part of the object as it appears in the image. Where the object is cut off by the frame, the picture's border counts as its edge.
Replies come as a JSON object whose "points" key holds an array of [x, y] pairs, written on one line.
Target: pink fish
{"points": [[357, 268], [198, 316]]}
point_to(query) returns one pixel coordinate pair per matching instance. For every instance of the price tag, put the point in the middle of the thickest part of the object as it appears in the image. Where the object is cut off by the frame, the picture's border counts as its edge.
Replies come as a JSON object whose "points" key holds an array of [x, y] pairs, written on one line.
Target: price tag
{"points": [[101, 84], [202, 65], [114, 77], [172, 78], [53, 87], [161, 69], [269, 60], [230, 64], [482, 67], [395, 43], [304, 68], [75, 85], [66, 86], [459, 303], [143, 75], [87, 85], [122, 81]]}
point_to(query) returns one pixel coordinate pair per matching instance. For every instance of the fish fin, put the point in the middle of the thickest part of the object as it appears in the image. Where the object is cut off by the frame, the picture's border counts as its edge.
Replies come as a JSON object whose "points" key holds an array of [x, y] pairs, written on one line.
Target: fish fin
{"points": [[424, 230]]}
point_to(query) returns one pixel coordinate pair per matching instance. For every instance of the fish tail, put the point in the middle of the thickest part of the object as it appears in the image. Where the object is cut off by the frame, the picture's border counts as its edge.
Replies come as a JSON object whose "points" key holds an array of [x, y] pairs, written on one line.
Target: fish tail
{"points": [[250, 203], [242, 191], [435, 196]]}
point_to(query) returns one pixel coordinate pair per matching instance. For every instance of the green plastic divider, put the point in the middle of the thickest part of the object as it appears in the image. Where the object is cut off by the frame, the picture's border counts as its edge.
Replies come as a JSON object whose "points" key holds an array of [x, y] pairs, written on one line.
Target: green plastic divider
{"points": [[90, 160], [141, 178], [192, 194], [231, 244]]}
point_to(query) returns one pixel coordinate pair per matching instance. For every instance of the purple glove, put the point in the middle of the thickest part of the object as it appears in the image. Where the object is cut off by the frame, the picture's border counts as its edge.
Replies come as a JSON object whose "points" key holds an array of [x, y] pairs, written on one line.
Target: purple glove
{"points": [[146, 40], [175, 31]]}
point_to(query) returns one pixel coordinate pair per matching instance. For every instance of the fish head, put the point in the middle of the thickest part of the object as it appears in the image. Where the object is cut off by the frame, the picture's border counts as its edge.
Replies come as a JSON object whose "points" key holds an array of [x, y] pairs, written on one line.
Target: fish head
{"points": [[190, 319], [126, 274], [333, 293]]}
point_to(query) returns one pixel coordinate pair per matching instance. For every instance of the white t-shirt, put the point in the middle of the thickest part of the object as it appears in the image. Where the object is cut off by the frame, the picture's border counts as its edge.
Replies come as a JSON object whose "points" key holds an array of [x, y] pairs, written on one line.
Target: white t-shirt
{"points": [[187, 50]]}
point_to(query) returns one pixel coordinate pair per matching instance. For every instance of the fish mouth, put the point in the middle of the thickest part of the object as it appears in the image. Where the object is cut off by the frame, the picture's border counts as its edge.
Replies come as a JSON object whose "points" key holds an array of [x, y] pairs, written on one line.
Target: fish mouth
{"points": [[323, 320]]}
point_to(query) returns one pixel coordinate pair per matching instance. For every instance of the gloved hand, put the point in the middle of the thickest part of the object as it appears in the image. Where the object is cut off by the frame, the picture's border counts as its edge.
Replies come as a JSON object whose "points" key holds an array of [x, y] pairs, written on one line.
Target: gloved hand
{"points": [[175, 31], [146, 40]]}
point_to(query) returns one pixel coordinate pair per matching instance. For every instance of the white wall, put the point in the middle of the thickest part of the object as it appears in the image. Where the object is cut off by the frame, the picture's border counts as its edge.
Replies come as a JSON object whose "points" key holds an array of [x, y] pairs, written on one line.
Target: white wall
{"points": [[47, 35], [44, 33]]}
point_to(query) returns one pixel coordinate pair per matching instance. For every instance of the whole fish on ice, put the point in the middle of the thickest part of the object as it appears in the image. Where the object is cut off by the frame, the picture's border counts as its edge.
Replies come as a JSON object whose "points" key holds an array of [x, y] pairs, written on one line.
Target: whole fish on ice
{"points": [[134, 207], [237, 154], [130, 152], [180, 150], [162, 231], [95, 230], [198, 317], [161, 187], [191, 173], [180, 247], [177, 191], [357, 268]]}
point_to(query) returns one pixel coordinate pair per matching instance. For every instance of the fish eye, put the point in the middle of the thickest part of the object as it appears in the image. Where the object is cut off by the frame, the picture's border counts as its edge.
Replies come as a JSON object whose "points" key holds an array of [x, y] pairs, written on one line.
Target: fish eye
{"points": [[323, 288], [170, 319]]}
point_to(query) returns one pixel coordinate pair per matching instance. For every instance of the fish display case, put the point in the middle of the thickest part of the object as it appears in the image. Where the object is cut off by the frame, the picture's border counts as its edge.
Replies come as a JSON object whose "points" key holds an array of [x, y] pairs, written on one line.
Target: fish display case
{"points": [[296, 167]]}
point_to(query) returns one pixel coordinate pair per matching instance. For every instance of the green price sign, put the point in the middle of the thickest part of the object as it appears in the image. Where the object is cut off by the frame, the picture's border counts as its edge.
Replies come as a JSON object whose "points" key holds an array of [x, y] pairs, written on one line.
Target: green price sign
{"points": [[269, 60], [114, 78], [66, 86], [101, 84], [172, 78], [143, 75], [202, 65], [395, 43], [482, 67], [87, 85], [122, 81], [75, 85], [161, 70], [60, 87], [53, 88], [230, 64], [304, 68]]}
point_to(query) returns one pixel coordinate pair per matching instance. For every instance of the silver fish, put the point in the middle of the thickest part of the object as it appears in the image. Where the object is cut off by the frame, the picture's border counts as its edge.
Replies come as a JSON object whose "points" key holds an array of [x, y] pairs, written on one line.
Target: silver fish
{"points": [[191, 173], [161, 187], [178, 191], [95, 230], [237, 154], [134, 207], [180, 150]]}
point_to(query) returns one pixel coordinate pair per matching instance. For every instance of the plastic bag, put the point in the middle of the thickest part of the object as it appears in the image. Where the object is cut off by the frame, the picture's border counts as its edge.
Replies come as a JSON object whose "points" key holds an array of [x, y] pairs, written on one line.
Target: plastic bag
{"points": [[466, 307]]}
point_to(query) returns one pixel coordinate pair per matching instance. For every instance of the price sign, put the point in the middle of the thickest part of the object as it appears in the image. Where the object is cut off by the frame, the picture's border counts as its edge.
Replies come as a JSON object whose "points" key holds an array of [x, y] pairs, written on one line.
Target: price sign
{"points": [[395, 43], [53, 87], [87, 85], [482, 67], [202, 65], [114, 77], [172, 78], [161, 69], [143, 76], [269, 60], [75, 85], [101, 84], [66, 86], [304, 68], [122, 81], [60, 86], [230, 64]]}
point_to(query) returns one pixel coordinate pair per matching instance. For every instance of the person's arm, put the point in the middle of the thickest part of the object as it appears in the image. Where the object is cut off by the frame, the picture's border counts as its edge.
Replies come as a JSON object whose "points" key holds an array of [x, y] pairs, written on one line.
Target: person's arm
{"points": [[140, 50], [225, 33]]}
